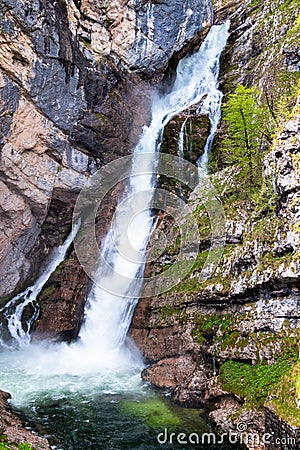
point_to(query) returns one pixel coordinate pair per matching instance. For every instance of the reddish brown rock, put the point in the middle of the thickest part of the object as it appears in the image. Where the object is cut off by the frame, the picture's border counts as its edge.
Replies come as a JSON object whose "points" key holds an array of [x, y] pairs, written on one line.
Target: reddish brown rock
{"points": [[13, 428], [62, 303], [193, 390], [168, 373], [165, 342]]}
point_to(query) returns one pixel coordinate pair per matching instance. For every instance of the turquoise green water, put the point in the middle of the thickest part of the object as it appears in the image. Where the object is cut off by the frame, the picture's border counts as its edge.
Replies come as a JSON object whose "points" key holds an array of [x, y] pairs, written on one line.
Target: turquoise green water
{"points": [[79, 408], [118, 421]]}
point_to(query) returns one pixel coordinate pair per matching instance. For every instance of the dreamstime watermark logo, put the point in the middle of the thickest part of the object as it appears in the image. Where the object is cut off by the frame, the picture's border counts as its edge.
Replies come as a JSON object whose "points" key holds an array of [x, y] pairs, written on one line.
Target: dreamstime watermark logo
{"points": [[136, 172], [241, 436]]}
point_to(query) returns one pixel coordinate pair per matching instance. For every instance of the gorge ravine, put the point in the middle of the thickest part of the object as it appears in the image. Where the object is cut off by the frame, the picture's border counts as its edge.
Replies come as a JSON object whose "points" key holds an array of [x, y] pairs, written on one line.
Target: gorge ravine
{"points": [[248, 315]]}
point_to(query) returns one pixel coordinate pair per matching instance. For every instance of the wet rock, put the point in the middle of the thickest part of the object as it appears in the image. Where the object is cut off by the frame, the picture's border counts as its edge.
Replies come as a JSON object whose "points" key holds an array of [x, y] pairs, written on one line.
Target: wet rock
{"points": [[194, 129], [13, 427], [62, 303]]}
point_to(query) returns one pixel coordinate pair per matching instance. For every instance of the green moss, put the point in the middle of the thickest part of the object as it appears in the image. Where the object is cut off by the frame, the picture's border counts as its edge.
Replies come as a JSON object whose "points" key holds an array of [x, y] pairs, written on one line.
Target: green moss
{"points": [[154, 411], [24, 446], [170, 313], [286, 397], [7, 445], [234, 340], [206, 326], [253, 383], [48, 292], [254, 3], [102, 117]]}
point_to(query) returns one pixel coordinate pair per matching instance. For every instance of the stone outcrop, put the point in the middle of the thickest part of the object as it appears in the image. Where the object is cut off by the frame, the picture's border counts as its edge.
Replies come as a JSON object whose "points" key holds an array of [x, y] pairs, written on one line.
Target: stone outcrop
{"points": [[13, 431], [62, 303], [143, 35]]}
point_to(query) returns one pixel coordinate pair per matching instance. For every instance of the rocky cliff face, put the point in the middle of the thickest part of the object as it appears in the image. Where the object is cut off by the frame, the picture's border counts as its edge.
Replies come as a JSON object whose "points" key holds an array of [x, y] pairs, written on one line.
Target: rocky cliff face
{"points": [[143, 35], [227, 341], [75, 84]]}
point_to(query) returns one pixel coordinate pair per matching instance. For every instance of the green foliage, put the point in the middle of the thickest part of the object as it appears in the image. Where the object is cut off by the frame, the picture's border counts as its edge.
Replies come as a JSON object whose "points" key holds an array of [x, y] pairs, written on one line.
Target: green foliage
{"points": [[253, 383], [3, 446], [248, 125], [282, 100], [24, 446], [266, 200], [286, 396]]}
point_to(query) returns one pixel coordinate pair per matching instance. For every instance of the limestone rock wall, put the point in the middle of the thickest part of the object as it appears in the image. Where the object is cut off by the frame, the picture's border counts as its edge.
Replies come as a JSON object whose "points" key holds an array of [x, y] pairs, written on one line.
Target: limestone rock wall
{"points": [[248, 311], [142, 34]]}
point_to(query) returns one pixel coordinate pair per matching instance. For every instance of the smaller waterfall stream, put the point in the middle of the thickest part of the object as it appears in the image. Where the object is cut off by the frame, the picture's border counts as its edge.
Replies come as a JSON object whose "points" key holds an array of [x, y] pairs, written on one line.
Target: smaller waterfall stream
{"points": [[209, 92], [17, 325], [181, 139], [210, 88]]}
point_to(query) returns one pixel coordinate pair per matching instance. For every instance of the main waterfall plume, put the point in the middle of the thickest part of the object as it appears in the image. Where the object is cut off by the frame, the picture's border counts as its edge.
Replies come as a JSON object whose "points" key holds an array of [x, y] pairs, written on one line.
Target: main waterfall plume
{"points": [[108, 315]]}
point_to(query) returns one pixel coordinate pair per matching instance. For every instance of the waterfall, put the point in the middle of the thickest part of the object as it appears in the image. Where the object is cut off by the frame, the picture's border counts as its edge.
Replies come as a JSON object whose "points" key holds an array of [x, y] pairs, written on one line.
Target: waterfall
{"points": [[14, 322], [212, 107], [206, 64], [181, 139], [108, 315], [112, 300], [213, 96]]}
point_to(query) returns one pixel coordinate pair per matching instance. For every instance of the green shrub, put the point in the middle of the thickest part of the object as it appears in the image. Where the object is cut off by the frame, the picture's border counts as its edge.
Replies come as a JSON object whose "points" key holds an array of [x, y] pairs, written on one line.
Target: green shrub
{"points": [[3, 446], [24, 446]]}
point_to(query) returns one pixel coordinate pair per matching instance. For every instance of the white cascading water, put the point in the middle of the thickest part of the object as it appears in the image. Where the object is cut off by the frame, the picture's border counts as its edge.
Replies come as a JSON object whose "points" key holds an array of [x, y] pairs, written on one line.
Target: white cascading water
{"points": [[109, 315], [182, 135], [212, 107], [100, 351], [18, 326], [210, 93]]}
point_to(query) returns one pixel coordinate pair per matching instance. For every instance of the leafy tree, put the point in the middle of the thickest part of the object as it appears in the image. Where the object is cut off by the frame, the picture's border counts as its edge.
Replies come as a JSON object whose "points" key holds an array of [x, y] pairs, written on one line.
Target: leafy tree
{"points": [[248, 135]]}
